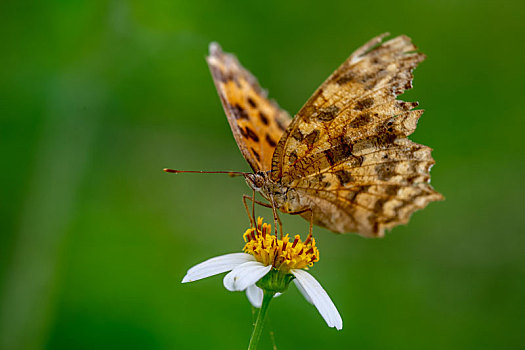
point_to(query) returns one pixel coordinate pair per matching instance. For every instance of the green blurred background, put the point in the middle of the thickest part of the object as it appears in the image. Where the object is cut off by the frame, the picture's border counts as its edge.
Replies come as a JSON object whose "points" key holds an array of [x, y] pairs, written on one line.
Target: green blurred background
{"points": [[97, 97]]}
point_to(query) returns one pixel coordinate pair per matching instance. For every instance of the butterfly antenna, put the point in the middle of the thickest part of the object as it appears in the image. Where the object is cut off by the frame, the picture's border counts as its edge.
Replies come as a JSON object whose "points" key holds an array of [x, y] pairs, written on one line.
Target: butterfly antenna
{"points": [[231, 173]]}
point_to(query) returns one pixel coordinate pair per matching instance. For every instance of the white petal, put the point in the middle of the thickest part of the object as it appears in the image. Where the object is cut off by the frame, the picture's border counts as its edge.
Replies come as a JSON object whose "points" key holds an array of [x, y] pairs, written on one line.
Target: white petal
{"points": [[303, 292], [255, 295], [216, 265], [243, 275], [312, 289]]}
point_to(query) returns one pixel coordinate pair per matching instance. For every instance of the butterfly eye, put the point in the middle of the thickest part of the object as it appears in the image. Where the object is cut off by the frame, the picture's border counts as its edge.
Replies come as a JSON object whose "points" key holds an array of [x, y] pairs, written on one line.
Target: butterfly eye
{"points": [[255, 181]]}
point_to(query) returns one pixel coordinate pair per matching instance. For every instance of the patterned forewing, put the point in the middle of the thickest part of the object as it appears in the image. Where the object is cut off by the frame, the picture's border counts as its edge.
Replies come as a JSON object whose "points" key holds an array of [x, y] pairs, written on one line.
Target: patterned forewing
{"points": [[257, 123], [347, 151]]}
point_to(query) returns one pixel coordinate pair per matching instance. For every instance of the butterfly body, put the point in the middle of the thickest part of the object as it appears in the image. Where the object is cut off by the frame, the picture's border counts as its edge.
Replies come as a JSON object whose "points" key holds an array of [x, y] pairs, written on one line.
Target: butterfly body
{"points": [[345, 158]]}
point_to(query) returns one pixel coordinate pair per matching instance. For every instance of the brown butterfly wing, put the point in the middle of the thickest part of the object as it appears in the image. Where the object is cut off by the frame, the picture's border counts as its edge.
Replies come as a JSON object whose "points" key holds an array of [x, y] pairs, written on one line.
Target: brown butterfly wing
{"points": [[346, 152], [257, 123]]}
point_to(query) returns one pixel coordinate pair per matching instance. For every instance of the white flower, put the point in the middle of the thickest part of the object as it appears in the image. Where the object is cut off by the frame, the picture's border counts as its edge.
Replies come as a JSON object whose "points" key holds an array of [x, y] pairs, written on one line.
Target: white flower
{"points": [[245, 271]]}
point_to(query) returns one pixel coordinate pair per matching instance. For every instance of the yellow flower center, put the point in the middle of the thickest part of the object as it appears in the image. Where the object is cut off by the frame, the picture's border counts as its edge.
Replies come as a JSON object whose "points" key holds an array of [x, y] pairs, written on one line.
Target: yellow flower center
{"points": [[282, 254]]}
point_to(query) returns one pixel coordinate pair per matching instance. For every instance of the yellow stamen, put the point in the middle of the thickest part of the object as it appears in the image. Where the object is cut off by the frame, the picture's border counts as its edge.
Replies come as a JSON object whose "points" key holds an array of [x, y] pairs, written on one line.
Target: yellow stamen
{"points": [[283, 256]]}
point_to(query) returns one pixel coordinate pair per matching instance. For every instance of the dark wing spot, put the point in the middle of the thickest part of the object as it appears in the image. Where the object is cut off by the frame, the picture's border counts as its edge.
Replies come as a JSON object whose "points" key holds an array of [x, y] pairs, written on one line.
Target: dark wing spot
{"points": [[243, 133], [239, 112], [312, 138], [297, 135], [385, 138], [293, 157], [408, 105], [345, 78], [351, 196], [270, 141], [360, 120], [343, 176], [376, 141], [376, 228], [364, 104], [379, 204], [336, 154], [392, 219], [251, 134], [327, 114], [372, 220], [364, 189], [252, 102], [264, 118], [329, 156], [257, 156], [367, 77], [412, 179], [320, 181], [385, 171], [392, 190]]}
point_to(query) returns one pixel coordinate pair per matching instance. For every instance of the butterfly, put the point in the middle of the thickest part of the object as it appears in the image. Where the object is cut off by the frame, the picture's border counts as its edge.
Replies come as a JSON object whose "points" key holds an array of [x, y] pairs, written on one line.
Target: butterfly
{"points": [[344, 161]]}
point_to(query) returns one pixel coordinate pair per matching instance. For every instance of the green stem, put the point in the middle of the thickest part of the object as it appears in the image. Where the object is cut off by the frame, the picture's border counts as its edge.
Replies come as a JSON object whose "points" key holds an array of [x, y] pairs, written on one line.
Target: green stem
{"points": [[257, 329]]}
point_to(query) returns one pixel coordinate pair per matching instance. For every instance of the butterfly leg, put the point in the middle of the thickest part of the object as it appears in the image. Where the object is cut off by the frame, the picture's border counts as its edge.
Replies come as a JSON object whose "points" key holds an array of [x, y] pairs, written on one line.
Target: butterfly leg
{"points": [[311, 218], [253, 207], [252, 218], [311, 222], [276, 219], [276, 216]]}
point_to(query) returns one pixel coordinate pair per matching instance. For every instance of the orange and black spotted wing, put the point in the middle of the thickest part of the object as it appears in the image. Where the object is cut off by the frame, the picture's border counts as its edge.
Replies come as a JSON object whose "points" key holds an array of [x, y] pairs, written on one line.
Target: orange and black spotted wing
{"points": [[257, 123]]}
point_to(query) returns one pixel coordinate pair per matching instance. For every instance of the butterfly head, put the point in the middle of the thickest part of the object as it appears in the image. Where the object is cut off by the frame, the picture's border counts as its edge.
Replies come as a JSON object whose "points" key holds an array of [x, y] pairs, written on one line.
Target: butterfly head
{"points": [[284, 197], [256, 180]]}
